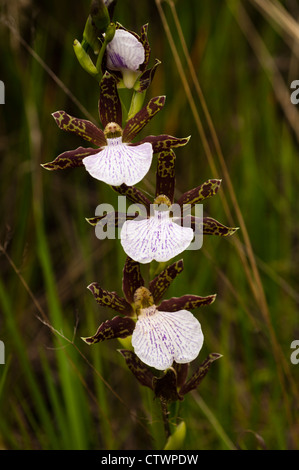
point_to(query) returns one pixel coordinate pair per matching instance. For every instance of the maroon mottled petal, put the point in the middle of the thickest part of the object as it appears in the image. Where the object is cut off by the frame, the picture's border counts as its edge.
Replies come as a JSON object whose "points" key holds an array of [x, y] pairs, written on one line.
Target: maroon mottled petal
{"points": [[109, 103], [70, 159], [146, 78], [164, 142], [147, 50], [200, 374], [160, 283], [118, 327], [110, 299], [165, 175], [142, 372], [140, 119], [194, 196], [132, 279], [112, 219], [186, 302], [209, 226], [81, 127]]}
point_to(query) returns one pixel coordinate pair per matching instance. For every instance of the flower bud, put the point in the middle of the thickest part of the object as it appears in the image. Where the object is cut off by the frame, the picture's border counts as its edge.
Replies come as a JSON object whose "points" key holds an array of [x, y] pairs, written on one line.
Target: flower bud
{"points": [[84, 59], [99, 15], [90, 36]]}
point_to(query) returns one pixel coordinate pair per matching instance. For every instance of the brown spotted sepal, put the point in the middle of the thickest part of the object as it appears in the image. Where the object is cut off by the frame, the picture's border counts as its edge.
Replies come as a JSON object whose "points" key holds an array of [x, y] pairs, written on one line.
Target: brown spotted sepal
{"points": [[159, 285], [132, 279], [147, 74], [164, 142], [141, 371], [110, 220], [70, 159], [83, 128], [140, 119], [109, 103], [173, 384], [199, 374], [197, 195], [209, 226], [118, 327], [186, 302], [165, 174], [110, 299]]}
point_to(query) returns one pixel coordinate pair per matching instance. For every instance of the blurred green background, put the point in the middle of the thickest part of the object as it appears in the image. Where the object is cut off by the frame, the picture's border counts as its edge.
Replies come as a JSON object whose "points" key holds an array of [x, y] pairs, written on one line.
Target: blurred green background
{"points": [[233, 98]]}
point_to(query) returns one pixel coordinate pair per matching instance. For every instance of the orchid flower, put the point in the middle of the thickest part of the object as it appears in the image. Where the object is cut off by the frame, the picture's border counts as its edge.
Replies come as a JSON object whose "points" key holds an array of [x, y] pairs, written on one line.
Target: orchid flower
{"points": [[127, 57], [158, 236], [164, 332], [116, 160], [125, 54]]}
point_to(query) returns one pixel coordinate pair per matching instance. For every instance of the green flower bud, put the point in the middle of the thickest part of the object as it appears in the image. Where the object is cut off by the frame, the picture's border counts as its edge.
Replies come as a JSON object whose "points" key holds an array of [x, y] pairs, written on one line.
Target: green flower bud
{"points": [[84, 59], [99, 15], [90, 37]]}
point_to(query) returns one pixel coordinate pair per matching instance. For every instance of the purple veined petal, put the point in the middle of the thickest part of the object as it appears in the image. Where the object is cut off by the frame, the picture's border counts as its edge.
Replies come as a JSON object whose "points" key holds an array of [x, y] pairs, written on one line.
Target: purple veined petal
{"points": [[156, 238], [124, 52], [119, 163], [159, 338]]}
